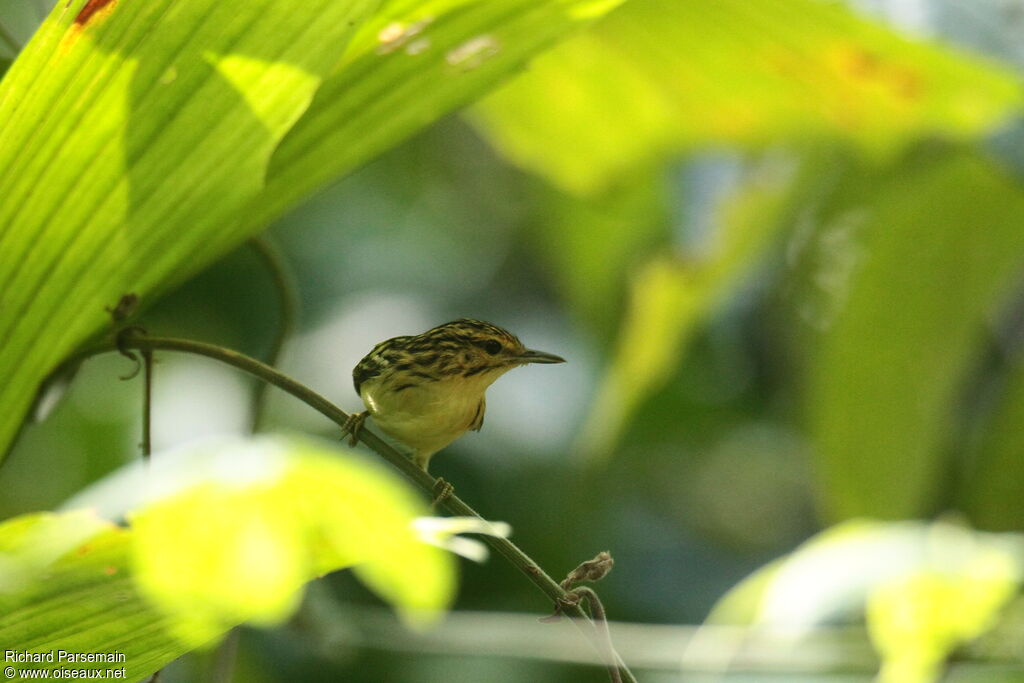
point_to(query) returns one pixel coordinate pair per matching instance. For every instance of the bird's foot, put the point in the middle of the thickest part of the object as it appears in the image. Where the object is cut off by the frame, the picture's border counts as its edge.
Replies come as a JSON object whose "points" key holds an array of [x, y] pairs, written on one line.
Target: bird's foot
{"points": [[353, 425], [442, 492]]}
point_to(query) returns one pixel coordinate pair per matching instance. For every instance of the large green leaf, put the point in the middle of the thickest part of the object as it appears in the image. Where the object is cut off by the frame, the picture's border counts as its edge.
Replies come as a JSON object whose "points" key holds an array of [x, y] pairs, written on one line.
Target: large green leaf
{"points": [[220, 533], [139, 142], [659, 76], [131, 133], [918, 266]]}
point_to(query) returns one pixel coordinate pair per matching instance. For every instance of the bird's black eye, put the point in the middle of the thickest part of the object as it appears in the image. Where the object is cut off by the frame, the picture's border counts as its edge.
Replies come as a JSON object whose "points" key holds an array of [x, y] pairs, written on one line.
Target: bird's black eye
{"points": [[492, 346]]}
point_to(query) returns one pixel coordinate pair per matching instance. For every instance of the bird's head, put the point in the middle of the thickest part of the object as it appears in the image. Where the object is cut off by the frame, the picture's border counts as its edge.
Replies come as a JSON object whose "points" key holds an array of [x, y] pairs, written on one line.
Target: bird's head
{"points": [[472, 347], [468, 354]]}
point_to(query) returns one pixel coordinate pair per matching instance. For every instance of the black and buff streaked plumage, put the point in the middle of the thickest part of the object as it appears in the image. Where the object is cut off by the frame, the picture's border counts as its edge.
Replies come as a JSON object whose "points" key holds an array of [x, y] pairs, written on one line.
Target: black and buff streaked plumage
{"points": [[427, 390]]}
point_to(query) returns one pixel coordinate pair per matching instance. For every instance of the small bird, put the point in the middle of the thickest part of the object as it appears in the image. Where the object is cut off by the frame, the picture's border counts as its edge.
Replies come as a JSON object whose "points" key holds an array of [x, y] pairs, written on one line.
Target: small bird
{"points": [[428, 390]]}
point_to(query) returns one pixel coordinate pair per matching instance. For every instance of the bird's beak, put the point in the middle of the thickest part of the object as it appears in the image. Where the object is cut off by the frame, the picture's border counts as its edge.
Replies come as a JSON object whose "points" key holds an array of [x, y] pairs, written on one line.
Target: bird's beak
{"points": [[531, 356]]}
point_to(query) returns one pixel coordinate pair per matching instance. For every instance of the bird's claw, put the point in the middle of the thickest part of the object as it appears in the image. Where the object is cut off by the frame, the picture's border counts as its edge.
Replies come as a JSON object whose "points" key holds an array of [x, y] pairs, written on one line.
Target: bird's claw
{"points": [[353, 425]]}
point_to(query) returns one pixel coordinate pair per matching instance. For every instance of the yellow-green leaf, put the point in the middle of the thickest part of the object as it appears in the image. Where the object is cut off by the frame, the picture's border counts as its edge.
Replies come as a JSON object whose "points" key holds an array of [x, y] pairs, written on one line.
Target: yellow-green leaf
{"points": [[660, 76], [220, 533], [131, 134]]}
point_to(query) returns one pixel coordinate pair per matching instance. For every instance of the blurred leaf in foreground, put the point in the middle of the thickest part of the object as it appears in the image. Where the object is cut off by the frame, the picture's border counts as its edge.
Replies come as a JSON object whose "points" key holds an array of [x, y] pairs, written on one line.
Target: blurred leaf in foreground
{"points": [[107, 614], [659, 76], [916, 620], [220, 533], [925, 589]]}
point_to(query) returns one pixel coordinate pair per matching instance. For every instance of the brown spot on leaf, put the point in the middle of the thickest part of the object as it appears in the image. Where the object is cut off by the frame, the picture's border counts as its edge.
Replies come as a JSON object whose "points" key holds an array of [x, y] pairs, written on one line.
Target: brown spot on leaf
{"points": [[861, 63], [91, 8], [110, 571], [908, 84], [867, 70]]}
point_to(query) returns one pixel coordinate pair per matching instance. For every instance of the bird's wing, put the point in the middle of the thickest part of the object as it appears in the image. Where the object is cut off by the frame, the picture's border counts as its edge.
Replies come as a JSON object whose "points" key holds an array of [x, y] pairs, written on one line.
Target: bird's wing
{"points": [[478, 419]]}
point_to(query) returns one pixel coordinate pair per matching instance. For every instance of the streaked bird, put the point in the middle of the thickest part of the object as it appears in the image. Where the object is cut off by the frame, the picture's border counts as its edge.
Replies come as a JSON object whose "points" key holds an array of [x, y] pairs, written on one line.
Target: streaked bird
{"points": [[427, 390]]}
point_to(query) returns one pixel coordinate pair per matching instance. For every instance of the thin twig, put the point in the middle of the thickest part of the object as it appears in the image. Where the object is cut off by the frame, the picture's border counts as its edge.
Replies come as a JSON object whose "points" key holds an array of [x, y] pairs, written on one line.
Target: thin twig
{"points": [[288, 305], [147, 428], [591, 570], [600, 620], [455, 505], [147, 405]]}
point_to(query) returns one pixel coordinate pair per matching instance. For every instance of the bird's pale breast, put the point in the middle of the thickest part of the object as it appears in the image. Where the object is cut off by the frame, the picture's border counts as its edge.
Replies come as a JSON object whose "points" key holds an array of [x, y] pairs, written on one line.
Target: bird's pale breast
{"points": [[430, 415]]}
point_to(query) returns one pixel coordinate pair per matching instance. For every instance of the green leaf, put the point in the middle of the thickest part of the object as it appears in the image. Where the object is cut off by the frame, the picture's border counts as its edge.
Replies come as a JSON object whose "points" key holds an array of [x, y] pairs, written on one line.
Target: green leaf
{"points": [[660, 76], [33, 541], [84, 601], [220, 533], [143, 142], [919, 267], [131, 135]]}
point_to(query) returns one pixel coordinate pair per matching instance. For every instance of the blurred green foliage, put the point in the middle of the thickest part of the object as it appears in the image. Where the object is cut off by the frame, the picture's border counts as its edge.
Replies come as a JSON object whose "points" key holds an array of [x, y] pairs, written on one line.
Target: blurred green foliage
{"points": [[221, 533], [778, 243], [660, 76], [931, 266], [923, 589], [670, 296]]}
